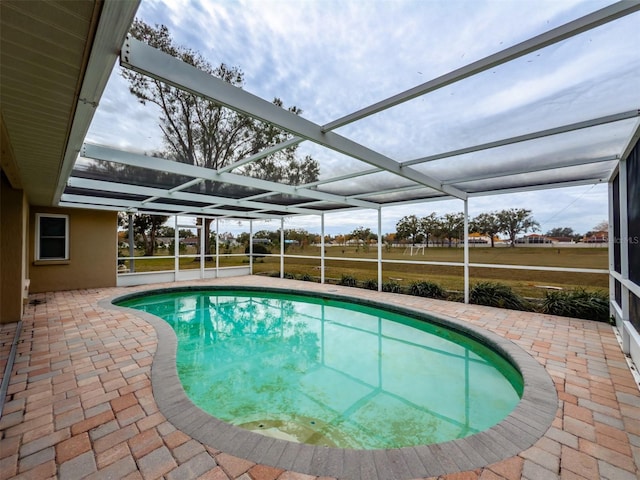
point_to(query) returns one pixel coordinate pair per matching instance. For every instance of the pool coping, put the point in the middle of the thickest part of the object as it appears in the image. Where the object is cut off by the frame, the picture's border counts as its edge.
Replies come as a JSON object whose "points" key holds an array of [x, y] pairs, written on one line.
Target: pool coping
{"points": [[521, 429]]}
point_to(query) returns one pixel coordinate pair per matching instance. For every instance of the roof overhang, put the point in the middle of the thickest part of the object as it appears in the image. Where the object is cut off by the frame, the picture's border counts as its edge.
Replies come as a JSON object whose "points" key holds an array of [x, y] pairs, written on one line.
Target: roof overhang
{"points": [[56, 60]]}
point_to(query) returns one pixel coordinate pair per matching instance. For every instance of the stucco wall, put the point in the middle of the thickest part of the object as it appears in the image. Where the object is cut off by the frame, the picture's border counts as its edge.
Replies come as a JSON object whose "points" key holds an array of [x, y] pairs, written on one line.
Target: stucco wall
{"points": [[13, 219], [92, 252]]}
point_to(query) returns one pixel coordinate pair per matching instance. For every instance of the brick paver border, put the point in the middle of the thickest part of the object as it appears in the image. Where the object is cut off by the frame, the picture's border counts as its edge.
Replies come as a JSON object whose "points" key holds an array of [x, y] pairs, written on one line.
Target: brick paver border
{"points": [[81, 404], [521, 429]]}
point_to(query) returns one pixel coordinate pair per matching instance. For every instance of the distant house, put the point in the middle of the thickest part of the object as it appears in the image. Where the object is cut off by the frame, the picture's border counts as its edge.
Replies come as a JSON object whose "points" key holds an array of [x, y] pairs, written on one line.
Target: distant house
{"points": [[562, 239], [596, 237], [164, 241], [190, 241], [261, 241], [534, 239], [479, 239]]}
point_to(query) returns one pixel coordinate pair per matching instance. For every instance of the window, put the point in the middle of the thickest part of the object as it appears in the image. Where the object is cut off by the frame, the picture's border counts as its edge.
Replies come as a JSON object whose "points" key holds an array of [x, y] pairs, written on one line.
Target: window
{"points": [[52, 237]]}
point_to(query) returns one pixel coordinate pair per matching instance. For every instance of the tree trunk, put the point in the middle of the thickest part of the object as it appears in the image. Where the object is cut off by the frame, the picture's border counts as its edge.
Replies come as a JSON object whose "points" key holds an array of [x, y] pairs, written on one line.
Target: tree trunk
{"points": [[207, 240], [152, 241], [145, 240]]}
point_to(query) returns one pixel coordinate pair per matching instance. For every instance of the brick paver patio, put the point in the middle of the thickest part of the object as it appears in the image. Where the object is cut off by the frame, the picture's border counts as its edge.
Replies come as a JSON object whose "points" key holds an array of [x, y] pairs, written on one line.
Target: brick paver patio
{"points": [[80, 404]]}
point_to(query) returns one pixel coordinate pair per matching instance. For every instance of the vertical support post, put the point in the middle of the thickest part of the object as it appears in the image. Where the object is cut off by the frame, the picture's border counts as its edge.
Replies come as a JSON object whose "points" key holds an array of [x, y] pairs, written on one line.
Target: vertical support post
{"points": [[203, 245], [322, 248], [250, 247], [379, 249], [132, 245], [624, 239], [282, 248], [466, 251], [176, 248], [612, 280], [217, 247]]}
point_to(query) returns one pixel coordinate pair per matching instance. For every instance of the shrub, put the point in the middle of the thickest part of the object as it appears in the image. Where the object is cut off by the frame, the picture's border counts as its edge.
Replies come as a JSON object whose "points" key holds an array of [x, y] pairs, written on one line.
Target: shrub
{"points": [[455, 296], [427, 289], [577, 303], [348, 281], [288, 275], [493, 294], [306, 277], [370, 284], [258, 250], [391, 286]]}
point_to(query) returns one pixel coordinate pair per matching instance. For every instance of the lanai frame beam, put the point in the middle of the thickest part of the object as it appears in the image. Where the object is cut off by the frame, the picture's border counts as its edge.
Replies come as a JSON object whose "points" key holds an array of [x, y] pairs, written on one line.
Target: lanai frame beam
{"points": [[144, 59], [99, 152], [555, 35]]}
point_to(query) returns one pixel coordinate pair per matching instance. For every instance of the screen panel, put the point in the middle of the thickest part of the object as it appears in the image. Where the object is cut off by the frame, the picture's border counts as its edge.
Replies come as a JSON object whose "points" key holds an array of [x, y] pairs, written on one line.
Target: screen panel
{"points": [[616, 224], [633, 212]]}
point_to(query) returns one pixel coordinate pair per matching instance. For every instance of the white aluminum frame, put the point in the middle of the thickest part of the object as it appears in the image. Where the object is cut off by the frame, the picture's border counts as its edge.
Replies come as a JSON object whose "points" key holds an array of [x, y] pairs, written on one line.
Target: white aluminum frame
{"points": [[568, 30], [156, 64], [117, 16], [621, 312], [142, 58], [630, 336]]}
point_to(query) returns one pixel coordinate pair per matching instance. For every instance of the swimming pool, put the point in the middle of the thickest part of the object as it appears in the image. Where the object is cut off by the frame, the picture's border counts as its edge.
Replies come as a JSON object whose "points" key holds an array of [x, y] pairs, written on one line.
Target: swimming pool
{"points": [[521, 429], [334, 373]]}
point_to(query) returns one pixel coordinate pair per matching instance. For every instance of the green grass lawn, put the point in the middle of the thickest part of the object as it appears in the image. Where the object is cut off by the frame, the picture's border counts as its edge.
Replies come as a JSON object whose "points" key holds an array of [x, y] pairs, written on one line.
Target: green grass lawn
{"points": [[529, 283]]}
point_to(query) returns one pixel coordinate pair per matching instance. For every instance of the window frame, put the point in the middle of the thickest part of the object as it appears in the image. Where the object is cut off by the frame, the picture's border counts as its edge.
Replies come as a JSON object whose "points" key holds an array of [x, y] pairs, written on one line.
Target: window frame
{"points": [[38, 237]]}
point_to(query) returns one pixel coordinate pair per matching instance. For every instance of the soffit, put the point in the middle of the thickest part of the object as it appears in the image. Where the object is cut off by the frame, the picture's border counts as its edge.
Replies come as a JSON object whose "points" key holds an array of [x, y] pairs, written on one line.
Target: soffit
{"points": [[43, 54]]}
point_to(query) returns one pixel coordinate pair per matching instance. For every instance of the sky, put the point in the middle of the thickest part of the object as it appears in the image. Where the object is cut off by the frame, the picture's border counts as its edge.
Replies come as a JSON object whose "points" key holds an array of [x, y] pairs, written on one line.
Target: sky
{"points": [[333, 57]]}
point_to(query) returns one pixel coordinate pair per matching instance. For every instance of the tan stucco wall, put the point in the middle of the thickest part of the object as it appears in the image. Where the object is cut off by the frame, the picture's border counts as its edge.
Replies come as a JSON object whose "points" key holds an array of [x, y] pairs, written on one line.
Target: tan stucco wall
{"points": [[92, 252], [13, 231]]}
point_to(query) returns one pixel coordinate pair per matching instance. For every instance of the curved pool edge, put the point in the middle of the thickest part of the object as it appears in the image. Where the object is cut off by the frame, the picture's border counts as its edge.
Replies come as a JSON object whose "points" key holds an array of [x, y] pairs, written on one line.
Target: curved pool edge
{"points": [[521, 429]]}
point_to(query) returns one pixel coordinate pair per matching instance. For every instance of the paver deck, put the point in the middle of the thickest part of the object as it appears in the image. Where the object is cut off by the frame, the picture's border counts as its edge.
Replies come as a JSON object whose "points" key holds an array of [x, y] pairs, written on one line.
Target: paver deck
{"points": [[80, 402]]}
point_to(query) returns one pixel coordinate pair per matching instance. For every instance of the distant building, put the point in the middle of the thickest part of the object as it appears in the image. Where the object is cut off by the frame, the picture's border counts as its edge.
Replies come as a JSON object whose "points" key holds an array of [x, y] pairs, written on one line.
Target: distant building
{"points": [[190, 241], [562, 239], [479, 239], [534, 239], [596, 237]]}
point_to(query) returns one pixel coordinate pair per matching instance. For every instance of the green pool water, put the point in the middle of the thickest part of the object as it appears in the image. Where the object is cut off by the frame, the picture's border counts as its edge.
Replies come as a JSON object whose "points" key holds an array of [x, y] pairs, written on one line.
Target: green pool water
{"points": [[329, 372]]}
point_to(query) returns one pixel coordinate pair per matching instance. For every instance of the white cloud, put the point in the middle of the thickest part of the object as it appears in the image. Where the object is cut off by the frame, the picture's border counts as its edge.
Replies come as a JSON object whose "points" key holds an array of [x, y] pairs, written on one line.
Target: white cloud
{"points": [[121, 121], [331, 57]]}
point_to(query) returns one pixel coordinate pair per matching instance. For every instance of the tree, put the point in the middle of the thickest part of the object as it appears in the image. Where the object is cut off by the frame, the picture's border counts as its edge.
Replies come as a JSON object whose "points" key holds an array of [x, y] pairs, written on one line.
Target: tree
{"points": [[603, 226], [486, 224], [566, 232], [165, 231], [599, 234], [272, 236], [146, 228], [515, 221], [201, 132], [451, 225], [430, 226], [300, 235], [409, 227], [363, 235], [558, 232], [243, 238]]}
